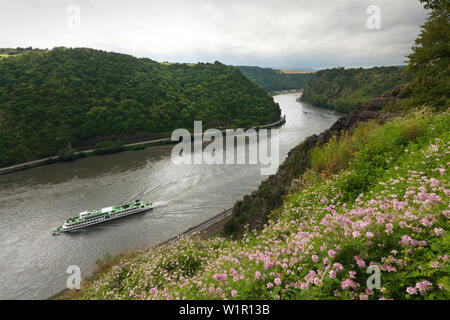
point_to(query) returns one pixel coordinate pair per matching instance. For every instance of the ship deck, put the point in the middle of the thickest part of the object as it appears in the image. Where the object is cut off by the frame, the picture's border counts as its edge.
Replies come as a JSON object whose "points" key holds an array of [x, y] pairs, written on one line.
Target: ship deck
{"points": [[115, 209]]}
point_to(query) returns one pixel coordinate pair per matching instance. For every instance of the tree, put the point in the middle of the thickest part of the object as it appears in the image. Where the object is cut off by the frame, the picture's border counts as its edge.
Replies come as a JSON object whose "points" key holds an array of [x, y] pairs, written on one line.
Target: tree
{"points": [[433, 4], [430, 61]]}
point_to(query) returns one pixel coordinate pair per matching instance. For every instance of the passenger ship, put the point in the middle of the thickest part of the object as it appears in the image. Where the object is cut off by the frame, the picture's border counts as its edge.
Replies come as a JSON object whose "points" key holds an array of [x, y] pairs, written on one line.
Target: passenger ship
{"points": [[89, 218]]}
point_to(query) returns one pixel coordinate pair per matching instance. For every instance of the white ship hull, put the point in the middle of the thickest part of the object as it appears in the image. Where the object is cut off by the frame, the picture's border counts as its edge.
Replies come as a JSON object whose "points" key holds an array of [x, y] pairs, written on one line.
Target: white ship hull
{"points": [[86, 220]]}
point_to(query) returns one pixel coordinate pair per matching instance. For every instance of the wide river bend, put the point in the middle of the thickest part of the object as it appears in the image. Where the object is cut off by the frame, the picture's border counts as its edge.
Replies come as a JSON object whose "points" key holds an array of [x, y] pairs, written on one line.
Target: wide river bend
{"points": [[33, 263]]}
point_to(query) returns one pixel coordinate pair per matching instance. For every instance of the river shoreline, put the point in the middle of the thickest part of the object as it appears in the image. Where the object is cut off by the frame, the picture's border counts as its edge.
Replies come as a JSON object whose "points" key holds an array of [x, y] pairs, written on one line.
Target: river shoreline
{"points": [[129, 146]]}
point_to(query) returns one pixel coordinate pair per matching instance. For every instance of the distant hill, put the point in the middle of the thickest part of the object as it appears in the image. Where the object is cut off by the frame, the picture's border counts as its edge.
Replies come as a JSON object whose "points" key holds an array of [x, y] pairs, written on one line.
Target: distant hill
{"points": [[344, 89], [276, 80], [49, 98]]}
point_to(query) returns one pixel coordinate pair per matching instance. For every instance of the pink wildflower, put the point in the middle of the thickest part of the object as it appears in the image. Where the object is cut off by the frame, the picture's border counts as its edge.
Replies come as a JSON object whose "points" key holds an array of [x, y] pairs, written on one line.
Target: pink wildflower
{"points": [[348, 283], [411, 291], [356, 234], [360, 262], [406, 239], [277, 281], [332, 253], [304, 285], [389, 228], [439, 232], [219, 276], [338, 267], [434, 182], [423, 286]]}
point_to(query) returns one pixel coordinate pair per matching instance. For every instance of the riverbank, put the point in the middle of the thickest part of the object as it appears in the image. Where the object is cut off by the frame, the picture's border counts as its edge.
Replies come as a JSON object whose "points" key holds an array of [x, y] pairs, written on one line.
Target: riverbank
{"points": [[129, 146]]}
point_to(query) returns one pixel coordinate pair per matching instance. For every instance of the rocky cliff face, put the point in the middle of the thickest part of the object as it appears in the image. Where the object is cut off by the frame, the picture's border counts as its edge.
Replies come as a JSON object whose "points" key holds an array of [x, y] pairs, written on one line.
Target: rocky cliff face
{"points": [[253, 209]]}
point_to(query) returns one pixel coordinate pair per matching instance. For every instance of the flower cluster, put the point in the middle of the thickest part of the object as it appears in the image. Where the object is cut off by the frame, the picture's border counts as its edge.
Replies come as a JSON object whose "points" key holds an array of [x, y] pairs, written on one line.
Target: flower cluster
{"points": [[320, 247]]}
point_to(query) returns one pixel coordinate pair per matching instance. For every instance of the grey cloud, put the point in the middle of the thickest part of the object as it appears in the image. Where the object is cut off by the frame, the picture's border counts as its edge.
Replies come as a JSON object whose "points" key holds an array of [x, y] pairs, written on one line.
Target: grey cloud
{"points": [[290, 33]]}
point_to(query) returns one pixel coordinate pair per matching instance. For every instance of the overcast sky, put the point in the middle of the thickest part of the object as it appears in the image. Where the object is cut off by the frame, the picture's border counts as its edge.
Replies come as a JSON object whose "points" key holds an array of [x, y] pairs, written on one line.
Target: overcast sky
{"points": [[283, 33]]}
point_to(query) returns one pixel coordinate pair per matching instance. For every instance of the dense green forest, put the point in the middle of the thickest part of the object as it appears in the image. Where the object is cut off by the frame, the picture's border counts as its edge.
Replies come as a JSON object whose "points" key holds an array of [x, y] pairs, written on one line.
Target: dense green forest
{"points": [[344, 89], [14, 51], [49, 98], [275, 80]]}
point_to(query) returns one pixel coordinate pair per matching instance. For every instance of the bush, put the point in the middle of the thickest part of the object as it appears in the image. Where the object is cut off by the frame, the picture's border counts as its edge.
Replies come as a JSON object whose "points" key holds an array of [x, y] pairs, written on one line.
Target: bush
{"points": [[66, 154], [106, 147]]}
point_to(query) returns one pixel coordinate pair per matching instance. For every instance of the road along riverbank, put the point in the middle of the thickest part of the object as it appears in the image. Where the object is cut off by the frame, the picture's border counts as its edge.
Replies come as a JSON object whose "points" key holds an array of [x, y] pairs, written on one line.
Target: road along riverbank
{"points": [[128, 146]]}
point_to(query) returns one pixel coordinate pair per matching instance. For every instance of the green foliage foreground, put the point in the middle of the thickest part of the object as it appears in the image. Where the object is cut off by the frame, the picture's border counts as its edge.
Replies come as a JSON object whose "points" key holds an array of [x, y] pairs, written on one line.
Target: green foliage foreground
{"points": [[386, 204]]}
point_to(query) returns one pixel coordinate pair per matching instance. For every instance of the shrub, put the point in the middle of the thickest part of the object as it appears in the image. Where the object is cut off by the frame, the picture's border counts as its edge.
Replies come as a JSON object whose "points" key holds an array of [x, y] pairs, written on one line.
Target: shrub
{"points": [[106, 147], [66, 154], [336, 154]]}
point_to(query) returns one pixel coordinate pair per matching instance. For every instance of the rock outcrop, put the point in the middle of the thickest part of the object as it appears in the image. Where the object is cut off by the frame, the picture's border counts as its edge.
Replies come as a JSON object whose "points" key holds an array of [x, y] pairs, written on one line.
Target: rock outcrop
{"points": [[253, 209]]}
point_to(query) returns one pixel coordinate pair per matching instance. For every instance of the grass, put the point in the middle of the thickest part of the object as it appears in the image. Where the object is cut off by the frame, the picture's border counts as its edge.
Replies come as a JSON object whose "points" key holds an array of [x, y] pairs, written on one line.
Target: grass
{"points": [[384, 203], [336, 154], [103, 265]]}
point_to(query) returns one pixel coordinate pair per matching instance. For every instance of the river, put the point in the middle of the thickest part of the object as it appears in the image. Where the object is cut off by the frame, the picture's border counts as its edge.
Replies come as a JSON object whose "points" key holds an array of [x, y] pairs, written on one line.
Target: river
{"points": [[33, 263]]}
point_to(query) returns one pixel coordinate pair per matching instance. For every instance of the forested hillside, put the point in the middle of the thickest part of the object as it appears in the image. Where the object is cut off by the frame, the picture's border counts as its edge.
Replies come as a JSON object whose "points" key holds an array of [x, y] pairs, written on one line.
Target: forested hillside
{"points": [[345, 89], [49, 98], [275, 80]]}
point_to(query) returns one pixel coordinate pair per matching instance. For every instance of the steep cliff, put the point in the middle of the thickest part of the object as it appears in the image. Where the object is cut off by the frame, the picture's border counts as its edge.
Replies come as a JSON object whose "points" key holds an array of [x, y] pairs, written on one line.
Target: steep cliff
{"points": [[253, 209]]}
